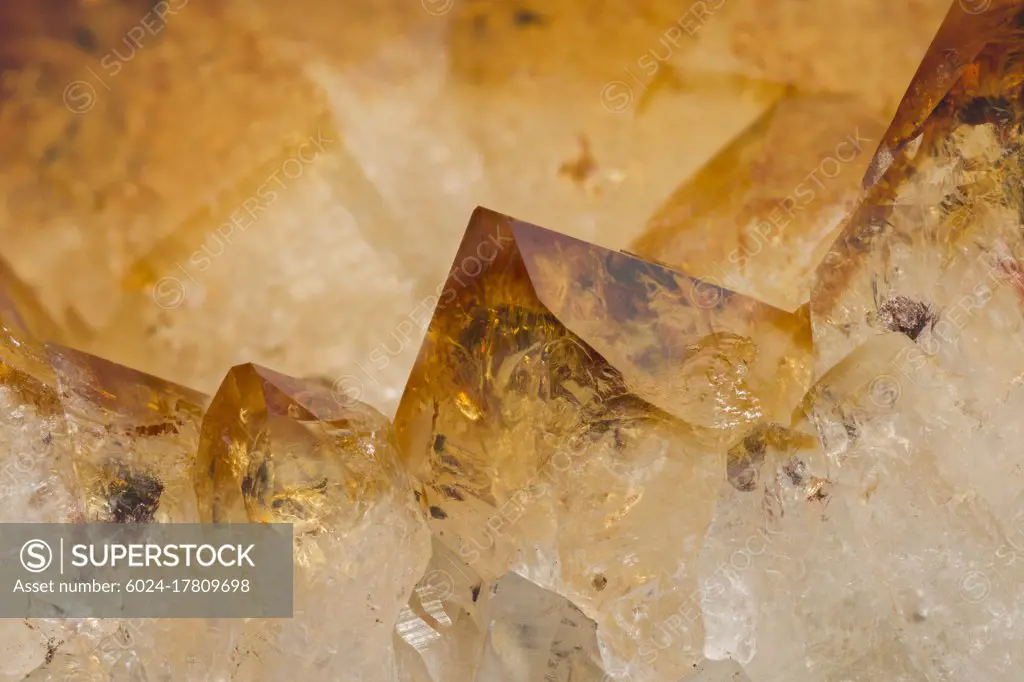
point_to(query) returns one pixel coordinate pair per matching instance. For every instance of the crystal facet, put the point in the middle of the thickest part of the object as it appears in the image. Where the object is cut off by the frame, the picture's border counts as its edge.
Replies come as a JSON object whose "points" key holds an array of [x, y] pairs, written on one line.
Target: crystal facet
{"points": [[761, 215], [278, 449], [631, 473], [564, 396]]}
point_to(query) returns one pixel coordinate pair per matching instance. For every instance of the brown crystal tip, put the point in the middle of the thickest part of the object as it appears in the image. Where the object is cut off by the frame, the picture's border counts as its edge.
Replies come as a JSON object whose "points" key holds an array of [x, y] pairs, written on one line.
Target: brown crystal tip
{"points": [[971, 29], [583, 337], [937, 231], [279, 449]]}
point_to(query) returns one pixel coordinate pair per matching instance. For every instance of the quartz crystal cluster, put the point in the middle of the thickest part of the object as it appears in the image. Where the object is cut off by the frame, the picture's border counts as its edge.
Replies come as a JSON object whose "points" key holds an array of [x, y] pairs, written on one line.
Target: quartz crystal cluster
{"points": [[784, 438]]}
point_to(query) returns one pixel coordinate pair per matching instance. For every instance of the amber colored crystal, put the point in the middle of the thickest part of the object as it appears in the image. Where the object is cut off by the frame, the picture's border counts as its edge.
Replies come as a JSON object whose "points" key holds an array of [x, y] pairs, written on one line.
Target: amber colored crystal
{"points": [[935, 236], [565, 394], [860, 47], [278, 449], [89, 73], [760, 216], [970, 27]]}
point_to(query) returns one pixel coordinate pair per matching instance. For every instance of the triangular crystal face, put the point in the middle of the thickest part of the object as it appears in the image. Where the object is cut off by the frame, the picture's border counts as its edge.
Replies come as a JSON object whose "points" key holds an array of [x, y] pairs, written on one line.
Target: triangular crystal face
{"points": [[973, 32], [132, 438], [279, 449], [567, 399]]}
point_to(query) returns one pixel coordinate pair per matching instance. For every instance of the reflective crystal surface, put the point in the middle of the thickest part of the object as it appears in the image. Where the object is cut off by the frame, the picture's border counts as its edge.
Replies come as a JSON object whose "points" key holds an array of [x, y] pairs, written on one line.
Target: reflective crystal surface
{"points": [[132, 438], [932, 250], [918, 309], [278, 449], [466, 628], [603, 467], [204, 179], [564, 396]]}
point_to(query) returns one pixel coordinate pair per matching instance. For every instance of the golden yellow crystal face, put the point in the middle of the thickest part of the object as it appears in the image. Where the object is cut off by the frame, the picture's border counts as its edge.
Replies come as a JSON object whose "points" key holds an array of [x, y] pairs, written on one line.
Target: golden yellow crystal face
{"points": [[132, 438], [89, 73], [969, 27], [861, 47], [564, 396], [761, 215], [278, 449]]}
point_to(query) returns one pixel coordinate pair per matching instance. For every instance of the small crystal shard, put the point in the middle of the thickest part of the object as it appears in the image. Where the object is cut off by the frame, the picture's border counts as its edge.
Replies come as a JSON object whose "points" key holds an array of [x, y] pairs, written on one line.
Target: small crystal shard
{"points": [[466, 629]]}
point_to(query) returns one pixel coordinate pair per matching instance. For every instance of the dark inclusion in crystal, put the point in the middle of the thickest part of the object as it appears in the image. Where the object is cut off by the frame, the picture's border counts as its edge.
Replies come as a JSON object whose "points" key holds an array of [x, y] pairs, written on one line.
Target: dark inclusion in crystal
{"points": [[134, 497], [904, 315]]}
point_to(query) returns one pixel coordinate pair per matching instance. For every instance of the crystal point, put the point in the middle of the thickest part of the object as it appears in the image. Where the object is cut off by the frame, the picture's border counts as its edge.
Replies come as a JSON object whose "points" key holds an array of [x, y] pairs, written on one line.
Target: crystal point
{"points": [[279, 449], [132, 438], [563, 397]]}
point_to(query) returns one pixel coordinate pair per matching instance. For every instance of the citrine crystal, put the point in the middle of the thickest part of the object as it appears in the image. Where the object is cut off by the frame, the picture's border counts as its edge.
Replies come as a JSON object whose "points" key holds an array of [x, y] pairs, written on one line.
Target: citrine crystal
{"points": [[132, 438], [602, 468], [918, 308], [89, 440], [761, 215], [564, 396], [278, 449], [859, 47], [937, 228]]}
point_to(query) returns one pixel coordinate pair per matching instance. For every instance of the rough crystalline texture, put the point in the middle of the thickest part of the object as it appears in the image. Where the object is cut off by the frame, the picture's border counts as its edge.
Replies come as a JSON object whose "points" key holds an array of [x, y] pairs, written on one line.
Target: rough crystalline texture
{"points": [[279, 449], [626, 469], [564, 398], [933, 249], [36, 477], [761, 215], [940, 545], [133, 439], [466, 629], [926, 278], [90, 440]]}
